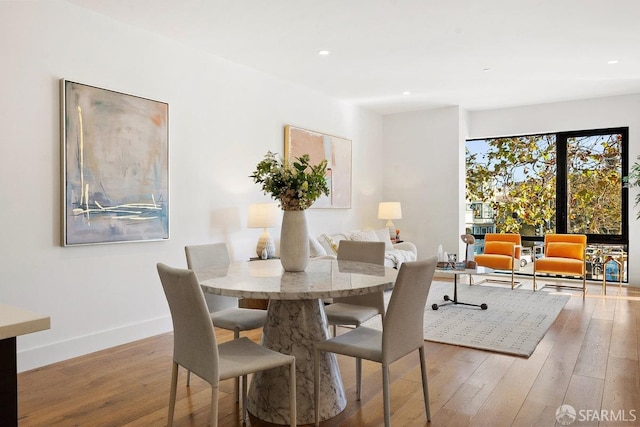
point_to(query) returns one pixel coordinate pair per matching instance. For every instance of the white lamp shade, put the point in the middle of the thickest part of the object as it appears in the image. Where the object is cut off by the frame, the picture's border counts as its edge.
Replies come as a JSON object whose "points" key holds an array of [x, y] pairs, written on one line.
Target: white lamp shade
{"points": [[264, 215], [389, 210]]}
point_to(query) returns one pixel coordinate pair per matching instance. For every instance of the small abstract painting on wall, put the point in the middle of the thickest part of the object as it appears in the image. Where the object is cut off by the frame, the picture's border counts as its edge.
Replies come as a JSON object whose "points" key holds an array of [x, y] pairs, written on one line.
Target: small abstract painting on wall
{"points": [[115, 166], [320, 146]]}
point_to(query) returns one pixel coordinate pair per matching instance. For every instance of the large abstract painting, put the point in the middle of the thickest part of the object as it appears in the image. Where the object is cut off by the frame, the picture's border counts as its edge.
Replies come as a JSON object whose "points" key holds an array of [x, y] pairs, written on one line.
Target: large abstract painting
{"points": [[320, 146], [115, 166]]}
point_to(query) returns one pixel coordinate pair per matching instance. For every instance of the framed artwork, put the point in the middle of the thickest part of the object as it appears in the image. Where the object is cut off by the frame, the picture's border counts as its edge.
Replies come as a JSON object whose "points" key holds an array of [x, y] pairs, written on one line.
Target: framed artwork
{"points": [[115, 166], [320, 146]]}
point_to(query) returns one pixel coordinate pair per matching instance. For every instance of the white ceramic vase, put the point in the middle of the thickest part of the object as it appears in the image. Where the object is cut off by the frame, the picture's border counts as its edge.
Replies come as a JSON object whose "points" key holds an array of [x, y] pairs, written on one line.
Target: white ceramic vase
{"points": [[294, 241]]}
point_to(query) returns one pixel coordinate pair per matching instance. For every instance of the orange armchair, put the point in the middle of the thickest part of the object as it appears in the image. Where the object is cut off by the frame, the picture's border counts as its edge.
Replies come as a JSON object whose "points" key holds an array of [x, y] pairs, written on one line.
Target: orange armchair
{"points": [[564, 254], [501, 252]]}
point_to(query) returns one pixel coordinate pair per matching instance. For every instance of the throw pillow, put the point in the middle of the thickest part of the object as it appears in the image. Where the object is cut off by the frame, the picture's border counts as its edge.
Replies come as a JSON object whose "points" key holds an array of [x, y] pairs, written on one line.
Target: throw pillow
{"points": [[383, 236], [363, 236], [332, 244], [315, 248]]}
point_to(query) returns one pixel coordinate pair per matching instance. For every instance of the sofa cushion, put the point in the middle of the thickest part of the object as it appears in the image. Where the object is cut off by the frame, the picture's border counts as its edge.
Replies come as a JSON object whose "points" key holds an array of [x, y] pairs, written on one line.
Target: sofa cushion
{"points": [[315, 248], [499, 248], [363, 236], [565, 250], [383, 236], [331, 244]]}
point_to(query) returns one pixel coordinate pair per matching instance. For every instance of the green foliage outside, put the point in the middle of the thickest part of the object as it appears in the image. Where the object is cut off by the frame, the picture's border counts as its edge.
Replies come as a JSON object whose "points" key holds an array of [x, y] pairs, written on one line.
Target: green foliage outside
{"points": [[633, 180], [517, 176]]}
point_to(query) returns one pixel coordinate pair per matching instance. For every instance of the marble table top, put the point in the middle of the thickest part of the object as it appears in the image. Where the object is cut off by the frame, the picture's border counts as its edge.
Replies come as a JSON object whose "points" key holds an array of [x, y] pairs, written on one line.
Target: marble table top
{"points": [[323, 278]]}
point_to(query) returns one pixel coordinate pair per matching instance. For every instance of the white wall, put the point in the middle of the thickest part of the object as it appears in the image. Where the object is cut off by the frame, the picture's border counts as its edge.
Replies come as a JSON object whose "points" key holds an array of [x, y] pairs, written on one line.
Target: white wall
{"points": [[422, 170], [222, 118], [425, 152]]}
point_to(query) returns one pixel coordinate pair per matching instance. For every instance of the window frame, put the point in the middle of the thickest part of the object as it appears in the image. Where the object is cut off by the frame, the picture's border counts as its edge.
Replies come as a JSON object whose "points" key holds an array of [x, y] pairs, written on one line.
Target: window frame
{"points": [[561, 187], [561, 183]]}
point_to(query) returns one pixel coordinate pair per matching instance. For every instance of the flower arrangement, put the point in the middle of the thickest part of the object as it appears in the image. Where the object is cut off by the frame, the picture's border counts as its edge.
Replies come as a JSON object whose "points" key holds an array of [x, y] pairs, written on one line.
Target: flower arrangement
{"points": [[296, 185]]}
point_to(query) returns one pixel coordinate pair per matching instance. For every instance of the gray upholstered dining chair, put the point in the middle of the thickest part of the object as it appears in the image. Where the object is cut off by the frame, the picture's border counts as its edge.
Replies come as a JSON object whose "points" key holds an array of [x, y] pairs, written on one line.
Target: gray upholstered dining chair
{"points": [[195, 347], [225, 313], [357, 309], [402, 332]]}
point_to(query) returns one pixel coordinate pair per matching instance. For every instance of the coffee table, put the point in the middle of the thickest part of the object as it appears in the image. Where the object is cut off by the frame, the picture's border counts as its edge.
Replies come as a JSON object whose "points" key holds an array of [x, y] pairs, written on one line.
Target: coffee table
{"points": [[455, 273]]}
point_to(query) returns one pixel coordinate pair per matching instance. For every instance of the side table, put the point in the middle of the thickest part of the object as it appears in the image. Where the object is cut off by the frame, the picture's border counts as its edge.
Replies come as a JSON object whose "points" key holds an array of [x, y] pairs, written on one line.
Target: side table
{"points": [[456, 273]]}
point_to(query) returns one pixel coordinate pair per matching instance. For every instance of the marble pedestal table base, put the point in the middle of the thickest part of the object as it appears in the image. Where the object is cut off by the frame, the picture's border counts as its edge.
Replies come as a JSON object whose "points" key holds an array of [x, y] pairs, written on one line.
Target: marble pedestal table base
{"points": [[292, 327]]}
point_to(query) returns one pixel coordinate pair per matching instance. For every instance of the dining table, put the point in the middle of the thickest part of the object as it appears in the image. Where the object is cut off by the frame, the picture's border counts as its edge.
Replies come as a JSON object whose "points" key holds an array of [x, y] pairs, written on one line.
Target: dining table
{"points": [[295, 321]]}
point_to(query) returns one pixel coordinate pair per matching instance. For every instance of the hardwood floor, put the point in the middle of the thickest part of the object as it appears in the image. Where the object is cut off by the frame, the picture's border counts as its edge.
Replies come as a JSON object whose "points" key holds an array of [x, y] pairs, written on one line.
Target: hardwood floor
{"points": [[588, 359]]}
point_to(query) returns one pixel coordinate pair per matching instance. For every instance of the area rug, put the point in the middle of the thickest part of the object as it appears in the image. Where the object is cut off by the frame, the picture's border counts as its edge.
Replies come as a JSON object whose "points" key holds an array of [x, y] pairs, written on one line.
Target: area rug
{"points": [[514, 323]]}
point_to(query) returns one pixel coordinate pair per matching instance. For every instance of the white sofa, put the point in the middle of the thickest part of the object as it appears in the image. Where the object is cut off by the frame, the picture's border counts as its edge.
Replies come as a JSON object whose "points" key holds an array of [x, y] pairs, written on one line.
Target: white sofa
{"points": [[325, 246]]}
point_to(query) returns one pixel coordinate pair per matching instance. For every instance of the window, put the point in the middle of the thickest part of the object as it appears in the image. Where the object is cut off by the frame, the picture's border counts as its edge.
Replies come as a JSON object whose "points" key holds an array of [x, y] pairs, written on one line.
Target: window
{"points": [[566, 182]]}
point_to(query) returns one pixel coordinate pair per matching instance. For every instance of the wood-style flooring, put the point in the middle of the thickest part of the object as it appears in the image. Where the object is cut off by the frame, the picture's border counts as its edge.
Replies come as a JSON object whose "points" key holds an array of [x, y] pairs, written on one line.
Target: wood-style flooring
{"points": [[588, 359]]}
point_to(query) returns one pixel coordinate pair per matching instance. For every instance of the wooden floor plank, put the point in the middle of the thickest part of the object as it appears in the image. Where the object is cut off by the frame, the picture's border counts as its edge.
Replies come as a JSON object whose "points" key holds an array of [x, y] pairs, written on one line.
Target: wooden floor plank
{"points": [[585, 393], [471, 396], [622, 387], [592, 360], [503, 404]]}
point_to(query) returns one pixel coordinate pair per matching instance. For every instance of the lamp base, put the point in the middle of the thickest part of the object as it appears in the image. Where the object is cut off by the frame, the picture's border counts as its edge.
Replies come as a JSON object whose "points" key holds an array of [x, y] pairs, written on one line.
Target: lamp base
{"points": [[392, 229], [266, 242]]}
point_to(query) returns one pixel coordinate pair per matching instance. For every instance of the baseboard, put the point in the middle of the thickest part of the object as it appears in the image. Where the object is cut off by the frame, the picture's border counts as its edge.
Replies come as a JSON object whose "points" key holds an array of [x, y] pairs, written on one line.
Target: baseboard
{"points": [[45, 355]]}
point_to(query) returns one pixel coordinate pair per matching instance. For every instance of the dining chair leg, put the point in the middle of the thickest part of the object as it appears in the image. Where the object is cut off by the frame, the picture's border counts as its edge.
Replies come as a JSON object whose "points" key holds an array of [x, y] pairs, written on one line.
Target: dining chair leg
{"points": [[293, 414], [425, 385], [358, 376], [172, 393], [188, 378], [214, 407], [385, 395], [335, 330], [236, 387], [244, 399]]}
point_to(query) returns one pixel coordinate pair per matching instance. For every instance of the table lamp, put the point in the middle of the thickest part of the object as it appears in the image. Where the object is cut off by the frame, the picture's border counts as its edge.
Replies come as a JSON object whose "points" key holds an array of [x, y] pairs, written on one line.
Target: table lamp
{"points": [[390, 211], [264, 215]]}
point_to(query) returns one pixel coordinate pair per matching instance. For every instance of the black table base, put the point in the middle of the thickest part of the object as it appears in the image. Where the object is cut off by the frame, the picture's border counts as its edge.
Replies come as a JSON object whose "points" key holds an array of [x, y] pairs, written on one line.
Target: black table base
{"points": [[454, 301], [8, 383]]}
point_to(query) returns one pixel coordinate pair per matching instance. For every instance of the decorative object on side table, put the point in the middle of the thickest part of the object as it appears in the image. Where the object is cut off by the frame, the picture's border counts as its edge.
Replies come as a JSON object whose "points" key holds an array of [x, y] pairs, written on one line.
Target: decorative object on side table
{"points": [[296, 185], [469, 241], [264, 215], [390, 211]]}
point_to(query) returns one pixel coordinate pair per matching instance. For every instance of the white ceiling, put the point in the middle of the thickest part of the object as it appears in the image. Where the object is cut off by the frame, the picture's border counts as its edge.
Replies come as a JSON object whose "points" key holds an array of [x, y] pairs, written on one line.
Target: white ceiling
{"points": [[537, 51]]}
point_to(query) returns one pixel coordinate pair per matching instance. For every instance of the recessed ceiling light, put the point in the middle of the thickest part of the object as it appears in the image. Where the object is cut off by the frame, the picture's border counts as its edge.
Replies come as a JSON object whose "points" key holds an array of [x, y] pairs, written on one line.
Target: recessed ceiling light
{"points": [[486, 70], [406, 92], [612, 61], [323, 52]]}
